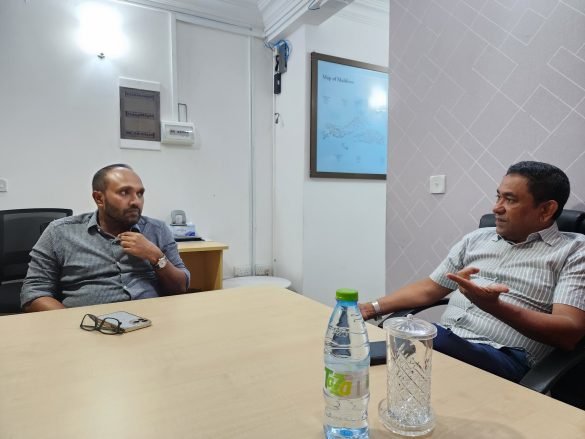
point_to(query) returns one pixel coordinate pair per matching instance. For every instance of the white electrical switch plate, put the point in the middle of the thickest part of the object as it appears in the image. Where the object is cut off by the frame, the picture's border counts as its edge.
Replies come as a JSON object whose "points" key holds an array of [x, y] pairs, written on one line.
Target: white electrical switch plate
{"points": [[3, 185], [437, 184]]}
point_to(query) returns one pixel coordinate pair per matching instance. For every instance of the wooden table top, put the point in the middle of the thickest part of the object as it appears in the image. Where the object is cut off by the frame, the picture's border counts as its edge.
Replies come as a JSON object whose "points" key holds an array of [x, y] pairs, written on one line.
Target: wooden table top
{"points": [[243, 362], [200, 246]]}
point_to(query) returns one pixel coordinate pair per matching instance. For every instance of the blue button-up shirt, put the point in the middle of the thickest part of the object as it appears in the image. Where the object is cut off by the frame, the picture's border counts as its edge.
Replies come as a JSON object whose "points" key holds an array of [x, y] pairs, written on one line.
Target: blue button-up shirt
{"points": [[77, 263]]}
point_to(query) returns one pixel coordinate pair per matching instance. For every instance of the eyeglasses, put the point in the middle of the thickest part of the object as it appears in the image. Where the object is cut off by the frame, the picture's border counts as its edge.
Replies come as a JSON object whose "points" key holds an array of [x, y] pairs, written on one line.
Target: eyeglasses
{"points": [[108, 326]]}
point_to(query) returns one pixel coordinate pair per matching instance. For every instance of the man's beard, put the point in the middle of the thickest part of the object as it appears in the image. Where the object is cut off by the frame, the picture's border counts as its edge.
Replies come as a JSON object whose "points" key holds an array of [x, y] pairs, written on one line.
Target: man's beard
{"points": [[123, 217]]}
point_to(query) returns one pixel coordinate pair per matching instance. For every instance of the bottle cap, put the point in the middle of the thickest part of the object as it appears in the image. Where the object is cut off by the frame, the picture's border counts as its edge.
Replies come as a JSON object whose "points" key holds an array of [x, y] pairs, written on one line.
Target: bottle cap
{"points": [[346, 294], [410, 328]]}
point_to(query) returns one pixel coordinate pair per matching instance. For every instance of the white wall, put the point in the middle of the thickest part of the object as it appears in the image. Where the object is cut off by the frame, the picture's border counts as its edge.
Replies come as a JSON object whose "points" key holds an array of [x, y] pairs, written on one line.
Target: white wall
{"points": [[469, 100], [59, 118], [289, 165], [334, 229], [214, 74], [58, 109]]}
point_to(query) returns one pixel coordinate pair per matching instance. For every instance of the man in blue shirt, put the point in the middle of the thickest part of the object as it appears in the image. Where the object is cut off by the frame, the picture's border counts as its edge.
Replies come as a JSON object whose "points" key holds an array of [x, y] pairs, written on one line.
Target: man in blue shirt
{"points": [[111, 255]]}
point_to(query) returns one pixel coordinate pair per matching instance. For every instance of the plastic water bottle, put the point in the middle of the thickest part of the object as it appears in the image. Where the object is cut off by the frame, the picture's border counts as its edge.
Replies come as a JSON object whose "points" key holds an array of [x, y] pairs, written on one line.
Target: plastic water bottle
{"points": [[347, 362]]}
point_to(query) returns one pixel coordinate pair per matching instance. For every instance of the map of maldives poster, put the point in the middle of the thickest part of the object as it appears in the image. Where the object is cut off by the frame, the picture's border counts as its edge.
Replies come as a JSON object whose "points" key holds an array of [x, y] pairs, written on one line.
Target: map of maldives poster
{"points": [[349, 120]]}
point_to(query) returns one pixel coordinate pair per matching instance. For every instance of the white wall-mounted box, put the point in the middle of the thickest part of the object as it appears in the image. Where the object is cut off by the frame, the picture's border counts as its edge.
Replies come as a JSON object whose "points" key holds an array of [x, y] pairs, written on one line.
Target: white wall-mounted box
{"points": [[177, 133]]}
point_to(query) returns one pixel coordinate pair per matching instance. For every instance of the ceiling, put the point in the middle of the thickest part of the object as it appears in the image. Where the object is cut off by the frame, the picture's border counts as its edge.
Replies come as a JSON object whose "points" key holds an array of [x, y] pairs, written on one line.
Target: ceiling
{"points": [[269, 18]]}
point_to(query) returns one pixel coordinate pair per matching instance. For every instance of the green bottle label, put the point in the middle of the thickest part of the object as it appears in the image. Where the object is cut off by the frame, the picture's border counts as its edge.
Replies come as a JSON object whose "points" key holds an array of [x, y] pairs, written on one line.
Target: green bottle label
{"points": [[347, 384]]}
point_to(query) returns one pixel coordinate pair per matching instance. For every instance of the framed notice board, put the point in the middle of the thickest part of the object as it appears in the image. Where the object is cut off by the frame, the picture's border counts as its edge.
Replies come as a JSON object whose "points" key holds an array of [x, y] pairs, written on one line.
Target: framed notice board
{"points": [[349, 118], [139, 114]]}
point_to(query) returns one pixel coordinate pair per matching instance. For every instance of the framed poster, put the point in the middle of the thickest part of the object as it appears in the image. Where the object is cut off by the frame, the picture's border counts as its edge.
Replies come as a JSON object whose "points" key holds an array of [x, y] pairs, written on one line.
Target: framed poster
{"points": [[349, 118]]}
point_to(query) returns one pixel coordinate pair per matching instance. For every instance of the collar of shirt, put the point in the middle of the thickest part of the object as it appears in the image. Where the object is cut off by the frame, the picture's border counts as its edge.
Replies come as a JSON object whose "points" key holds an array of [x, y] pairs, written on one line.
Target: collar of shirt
{"points": [[550, 236], [93, 224]]}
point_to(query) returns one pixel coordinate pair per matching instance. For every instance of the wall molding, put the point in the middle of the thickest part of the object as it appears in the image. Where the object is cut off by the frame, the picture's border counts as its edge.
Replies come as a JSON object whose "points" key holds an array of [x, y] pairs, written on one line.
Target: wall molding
{"points": [[370, 12], [282, 17], [239, 16], [270, 19]]}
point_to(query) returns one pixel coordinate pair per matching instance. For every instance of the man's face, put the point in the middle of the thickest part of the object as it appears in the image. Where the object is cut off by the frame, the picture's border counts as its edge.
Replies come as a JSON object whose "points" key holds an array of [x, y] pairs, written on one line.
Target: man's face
{"points": [[123, 199], [516, 214]]}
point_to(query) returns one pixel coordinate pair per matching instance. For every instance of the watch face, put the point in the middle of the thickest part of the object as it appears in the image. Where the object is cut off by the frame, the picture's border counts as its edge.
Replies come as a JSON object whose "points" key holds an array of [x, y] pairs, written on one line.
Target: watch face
{"points": [[162, 262]]}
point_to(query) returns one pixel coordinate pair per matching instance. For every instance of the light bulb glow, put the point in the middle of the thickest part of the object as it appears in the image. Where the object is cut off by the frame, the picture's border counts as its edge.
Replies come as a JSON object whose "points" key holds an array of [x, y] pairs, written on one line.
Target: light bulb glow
{"points": [[100, 30]]}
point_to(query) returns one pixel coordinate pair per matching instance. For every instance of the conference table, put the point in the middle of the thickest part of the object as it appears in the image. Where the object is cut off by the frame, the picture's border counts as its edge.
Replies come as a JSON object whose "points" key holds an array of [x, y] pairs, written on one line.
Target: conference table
{"points": [[237, 363]]}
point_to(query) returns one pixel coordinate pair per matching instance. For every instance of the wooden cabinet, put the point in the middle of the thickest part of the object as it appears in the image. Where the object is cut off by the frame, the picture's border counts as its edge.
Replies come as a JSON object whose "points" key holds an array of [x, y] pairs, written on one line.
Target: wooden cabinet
{"points": [[204, 259]]}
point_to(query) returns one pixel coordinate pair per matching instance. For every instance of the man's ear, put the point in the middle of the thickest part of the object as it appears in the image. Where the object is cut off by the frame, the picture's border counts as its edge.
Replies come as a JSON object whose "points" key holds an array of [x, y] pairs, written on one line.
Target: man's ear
{"points": [[98, 197], [549, 208]]}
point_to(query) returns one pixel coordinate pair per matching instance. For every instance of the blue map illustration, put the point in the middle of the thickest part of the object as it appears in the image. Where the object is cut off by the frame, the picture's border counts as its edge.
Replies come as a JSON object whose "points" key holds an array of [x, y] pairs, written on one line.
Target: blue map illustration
{"points": [[352, 119]]}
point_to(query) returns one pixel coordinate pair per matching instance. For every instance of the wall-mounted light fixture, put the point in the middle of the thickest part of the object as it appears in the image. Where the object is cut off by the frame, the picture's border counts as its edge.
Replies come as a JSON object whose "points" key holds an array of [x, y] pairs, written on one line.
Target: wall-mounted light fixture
{"points": [[100, 31]]}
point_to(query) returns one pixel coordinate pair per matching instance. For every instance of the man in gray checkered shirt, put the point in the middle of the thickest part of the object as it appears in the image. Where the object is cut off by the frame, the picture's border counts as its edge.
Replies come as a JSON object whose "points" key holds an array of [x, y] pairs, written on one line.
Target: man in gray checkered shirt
{"points": [[111, 255], [518, 289]]}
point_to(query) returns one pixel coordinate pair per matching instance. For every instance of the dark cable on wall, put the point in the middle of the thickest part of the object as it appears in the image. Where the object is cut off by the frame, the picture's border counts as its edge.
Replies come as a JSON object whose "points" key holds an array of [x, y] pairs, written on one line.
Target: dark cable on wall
{"points": [[282, 49]]}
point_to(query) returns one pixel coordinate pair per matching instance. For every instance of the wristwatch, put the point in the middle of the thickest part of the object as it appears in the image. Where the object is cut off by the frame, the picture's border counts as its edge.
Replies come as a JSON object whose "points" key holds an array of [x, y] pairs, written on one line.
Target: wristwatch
{"points": [[377, 309], [161, 263]]}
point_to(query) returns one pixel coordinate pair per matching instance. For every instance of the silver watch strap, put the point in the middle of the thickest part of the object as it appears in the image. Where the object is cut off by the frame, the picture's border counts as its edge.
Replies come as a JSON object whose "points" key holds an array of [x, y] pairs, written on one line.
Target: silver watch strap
{"points": [[377, 308]]}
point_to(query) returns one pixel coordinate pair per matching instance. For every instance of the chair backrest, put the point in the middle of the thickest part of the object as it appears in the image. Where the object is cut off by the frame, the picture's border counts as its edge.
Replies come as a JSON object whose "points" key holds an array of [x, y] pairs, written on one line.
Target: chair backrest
{"points": [[569, 221], [20, 229]]}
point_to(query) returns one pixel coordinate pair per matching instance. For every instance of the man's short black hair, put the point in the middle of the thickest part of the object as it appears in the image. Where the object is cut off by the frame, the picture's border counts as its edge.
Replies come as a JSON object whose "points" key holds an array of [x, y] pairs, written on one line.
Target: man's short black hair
{"points": [[545, 182], [99, 179]]}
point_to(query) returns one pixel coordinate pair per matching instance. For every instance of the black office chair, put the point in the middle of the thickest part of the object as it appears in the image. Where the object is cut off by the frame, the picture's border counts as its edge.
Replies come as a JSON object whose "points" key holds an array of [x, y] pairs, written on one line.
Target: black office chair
{"points": [[559, 366], [20, 229]]}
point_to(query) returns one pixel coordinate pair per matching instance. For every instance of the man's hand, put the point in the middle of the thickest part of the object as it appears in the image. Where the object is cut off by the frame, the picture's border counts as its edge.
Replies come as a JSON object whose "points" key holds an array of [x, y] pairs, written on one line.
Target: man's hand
{"points": [[367, 310], [485, 297], [171, 279], [137, 245]]}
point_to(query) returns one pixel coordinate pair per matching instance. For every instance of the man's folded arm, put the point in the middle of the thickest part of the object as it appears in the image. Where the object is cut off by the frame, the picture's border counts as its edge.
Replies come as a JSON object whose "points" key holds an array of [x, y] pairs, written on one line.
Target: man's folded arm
{"points": [[42, 279], [44, 303], [562, 329], [177, 279], [173, 280]]}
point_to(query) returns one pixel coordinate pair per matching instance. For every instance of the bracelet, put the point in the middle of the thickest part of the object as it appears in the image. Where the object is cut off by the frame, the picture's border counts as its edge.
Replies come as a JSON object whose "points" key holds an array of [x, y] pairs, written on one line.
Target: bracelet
{"points": [[376, 306]]}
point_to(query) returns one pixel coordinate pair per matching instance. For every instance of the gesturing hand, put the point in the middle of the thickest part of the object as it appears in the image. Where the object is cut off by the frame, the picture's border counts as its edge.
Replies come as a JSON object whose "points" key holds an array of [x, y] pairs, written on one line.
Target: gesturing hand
{"points": [[367, 310], [482, 296], [137, 245]]}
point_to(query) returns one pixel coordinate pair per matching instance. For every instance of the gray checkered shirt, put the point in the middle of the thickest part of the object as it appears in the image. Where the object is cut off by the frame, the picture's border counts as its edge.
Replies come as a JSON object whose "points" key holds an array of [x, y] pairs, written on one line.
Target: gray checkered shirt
{"points": [[548, 268], [78, 264]]}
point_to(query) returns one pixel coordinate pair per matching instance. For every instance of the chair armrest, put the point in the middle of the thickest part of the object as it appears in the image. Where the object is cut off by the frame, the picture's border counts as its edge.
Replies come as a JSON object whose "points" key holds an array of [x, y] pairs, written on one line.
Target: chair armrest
{"points": [[556, 364], [404, 312]]}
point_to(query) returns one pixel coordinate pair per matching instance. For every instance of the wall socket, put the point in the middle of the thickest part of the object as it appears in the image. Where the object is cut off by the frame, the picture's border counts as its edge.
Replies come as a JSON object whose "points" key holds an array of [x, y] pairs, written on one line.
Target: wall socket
{"points": [[263, 270], [242, 270], [3, 185]]}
